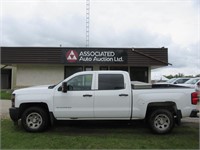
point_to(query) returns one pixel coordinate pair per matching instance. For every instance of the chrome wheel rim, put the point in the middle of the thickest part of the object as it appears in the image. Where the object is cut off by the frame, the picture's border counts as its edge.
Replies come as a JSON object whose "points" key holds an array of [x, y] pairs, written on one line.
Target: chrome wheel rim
{"points": [[34, 120], [162, 122]]}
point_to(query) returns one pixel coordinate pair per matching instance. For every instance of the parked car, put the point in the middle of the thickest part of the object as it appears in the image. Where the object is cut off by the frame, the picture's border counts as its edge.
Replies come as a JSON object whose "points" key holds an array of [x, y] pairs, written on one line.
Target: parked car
{"points": [[174, 81], [191, 83]]}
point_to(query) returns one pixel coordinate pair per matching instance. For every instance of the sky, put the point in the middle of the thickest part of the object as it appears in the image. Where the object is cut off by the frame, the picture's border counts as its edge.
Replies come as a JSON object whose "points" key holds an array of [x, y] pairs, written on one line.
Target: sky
{"points": [[174, 24]]}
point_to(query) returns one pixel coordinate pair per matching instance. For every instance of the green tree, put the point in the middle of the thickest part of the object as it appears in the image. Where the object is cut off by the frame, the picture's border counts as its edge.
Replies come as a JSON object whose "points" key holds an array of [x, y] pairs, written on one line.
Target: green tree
{"points": [[180, 75], [198, 75]]}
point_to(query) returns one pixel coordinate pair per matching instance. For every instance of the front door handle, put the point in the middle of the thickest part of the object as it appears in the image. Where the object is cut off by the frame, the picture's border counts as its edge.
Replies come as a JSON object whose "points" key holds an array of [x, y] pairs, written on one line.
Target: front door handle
{"points": [[87, 95], [123, 94]]}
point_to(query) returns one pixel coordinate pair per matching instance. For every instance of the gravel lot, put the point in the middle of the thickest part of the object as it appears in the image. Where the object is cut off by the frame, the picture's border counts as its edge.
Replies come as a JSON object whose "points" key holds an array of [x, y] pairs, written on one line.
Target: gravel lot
{"points": [[6, 104]]}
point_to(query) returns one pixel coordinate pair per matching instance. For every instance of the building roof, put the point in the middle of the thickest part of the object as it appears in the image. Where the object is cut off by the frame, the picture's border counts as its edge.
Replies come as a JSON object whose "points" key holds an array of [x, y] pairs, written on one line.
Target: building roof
{"points": [[53, 55]]}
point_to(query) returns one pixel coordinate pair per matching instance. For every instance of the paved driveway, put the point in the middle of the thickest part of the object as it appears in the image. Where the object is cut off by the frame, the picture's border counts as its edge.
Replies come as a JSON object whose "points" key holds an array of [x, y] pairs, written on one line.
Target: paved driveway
{"points": [[6, 104]]}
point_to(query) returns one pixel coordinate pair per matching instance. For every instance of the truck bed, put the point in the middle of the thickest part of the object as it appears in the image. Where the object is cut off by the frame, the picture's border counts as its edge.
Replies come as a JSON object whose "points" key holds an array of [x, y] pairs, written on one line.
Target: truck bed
{"points": [[143, 85]]}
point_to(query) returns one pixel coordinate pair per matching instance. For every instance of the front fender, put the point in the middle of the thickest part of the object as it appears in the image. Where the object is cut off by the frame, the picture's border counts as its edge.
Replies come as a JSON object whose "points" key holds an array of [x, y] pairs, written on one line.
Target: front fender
{"points": [[34, 98]]}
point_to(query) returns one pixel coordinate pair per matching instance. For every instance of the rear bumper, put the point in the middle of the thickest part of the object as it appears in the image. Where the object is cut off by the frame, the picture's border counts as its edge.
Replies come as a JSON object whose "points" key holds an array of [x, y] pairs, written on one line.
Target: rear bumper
{"points": [[194, 113], [14, 113]]}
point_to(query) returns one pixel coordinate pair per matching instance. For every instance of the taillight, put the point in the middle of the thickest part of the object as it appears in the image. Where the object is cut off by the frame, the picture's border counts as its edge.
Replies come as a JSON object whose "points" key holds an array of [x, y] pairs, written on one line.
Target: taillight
{"points": [[13, 100], [194, 98]]}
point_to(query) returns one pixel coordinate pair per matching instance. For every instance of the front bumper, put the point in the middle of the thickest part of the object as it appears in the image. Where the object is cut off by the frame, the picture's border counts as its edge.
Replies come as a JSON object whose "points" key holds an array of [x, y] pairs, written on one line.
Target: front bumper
{"points": [[14, 113], [194, 113]]}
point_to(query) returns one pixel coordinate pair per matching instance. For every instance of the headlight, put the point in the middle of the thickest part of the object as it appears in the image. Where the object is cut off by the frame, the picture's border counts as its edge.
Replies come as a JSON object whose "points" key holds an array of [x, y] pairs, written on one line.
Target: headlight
{"points": [[13, 100]]}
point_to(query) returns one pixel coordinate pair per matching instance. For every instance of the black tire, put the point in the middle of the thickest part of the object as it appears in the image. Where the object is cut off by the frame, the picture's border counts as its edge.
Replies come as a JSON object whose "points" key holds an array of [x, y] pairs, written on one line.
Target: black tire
{"points": [[161, 121], [34, 119]]}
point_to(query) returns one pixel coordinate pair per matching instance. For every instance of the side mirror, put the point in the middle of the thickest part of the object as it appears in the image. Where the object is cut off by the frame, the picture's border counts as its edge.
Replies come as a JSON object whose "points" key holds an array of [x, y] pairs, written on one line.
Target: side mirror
{"points": [[64, 87]]}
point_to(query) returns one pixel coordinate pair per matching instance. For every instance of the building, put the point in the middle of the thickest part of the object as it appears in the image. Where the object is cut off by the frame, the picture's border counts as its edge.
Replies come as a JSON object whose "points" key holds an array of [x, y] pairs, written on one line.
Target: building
{"points": [[29, 66]]}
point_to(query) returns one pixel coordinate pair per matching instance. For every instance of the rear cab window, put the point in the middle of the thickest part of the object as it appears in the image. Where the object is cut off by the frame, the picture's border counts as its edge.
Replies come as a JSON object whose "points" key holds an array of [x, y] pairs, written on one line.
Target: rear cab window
{"points": [[111, 82]]}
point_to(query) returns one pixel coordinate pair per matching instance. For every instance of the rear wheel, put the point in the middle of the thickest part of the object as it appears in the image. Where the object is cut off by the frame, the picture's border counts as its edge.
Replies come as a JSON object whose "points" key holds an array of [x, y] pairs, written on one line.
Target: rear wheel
{"points": [[34, 119], [161, 121]]}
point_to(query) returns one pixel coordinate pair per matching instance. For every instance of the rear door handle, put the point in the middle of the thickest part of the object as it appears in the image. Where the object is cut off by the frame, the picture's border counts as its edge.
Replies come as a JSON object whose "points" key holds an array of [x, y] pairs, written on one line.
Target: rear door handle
{"points": [[123, 94], [87, 95]]}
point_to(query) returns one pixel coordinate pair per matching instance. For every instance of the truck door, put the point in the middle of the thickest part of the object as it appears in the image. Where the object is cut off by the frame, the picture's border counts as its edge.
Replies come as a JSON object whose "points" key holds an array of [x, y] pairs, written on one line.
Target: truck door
{"points": [[113, 97], [78, 101]]}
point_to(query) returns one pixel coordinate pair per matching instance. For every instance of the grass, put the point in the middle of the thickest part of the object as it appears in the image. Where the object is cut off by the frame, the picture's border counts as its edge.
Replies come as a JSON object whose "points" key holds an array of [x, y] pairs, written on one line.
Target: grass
{"points": [[5, 95], [97, 135]]}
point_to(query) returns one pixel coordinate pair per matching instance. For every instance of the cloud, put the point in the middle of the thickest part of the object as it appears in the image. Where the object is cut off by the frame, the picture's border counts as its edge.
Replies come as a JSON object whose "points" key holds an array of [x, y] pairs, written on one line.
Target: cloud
{"points": [[184, 60], [108, 37], [41, 32], [145, 23], [183, 57], [43, 24]]}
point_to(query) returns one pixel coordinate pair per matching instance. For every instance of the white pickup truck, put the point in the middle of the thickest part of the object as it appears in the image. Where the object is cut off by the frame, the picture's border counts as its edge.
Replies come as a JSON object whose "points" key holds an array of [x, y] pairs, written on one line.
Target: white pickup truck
{"points": [[103, 95]]}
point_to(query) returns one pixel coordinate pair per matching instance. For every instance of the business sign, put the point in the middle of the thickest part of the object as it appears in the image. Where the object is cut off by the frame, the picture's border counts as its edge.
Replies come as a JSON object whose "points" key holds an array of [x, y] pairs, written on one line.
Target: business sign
{"points": [[95, 56]]}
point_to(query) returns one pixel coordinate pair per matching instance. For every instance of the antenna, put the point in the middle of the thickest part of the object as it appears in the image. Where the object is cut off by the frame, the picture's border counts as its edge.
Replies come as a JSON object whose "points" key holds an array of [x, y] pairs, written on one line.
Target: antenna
{"points": [[87, 22]]}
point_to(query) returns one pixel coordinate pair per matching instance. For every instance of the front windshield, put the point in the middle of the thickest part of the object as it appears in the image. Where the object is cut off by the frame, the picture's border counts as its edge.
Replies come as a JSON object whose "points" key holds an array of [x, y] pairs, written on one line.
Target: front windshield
{"points": [[171, 80], [192, 81]]}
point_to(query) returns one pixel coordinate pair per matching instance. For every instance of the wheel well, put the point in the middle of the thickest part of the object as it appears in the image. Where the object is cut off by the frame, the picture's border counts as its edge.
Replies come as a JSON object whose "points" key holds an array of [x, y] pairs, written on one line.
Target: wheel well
{"points": [[171, 106], [24, 106]]}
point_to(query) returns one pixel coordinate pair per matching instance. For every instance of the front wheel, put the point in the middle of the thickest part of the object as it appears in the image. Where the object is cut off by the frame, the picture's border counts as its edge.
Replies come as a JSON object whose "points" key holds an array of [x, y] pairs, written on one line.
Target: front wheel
{"points": [[34, 119], [161, 121]]}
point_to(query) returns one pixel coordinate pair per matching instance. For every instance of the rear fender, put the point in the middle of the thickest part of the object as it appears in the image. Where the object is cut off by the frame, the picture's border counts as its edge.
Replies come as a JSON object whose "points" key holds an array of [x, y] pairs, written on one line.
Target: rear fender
{"points": [[171, 106]]}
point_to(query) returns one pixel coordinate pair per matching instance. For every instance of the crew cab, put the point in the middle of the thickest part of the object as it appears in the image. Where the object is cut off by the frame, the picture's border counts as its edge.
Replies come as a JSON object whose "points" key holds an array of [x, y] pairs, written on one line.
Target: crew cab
{"points": [[103, 95]]}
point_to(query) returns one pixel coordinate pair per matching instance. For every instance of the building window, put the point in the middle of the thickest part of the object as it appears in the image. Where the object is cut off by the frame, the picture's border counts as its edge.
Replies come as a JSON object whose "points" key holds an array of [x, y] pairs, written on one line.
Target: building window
{"points": [[103, 68], [139, 74], [69, 70], [110, 82], [6, 75], [88, 68], [119, 68]]}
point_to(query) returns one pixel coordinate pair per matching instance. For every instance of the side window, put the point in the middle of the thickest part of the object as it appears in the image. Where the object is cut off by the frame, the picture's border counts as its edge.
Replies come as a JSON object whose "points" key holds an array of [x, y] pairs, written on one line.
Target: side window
{"points": [[181, 80], [80, 83], [111, 82], [184, 80]]}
